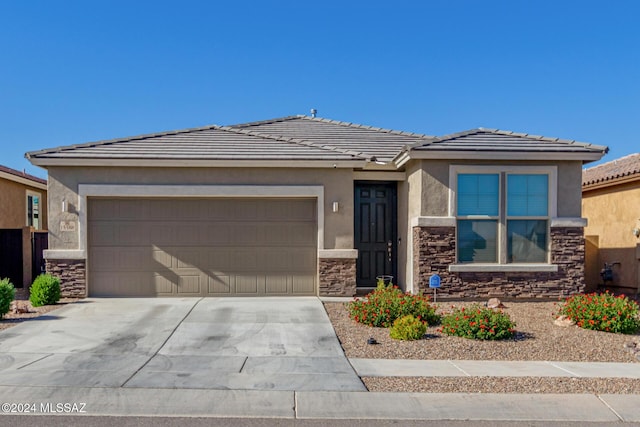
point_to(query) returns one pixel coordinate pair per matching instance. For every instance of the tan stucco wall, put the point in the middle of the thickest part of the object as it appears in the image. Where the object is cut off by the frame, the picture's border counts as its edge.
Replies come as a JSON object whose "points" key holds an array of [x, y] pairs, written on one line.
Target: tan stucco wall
{"points": [[13, 204], [409, 200], [613, 212], [338, 187]]}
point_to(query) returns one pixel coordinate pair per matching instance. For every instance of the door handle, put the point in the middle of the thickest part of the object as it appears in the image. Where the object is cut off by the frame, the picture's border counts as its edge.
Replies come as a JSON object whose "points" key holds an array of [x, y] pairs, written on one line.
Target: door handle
{"points": [[389, 249]]}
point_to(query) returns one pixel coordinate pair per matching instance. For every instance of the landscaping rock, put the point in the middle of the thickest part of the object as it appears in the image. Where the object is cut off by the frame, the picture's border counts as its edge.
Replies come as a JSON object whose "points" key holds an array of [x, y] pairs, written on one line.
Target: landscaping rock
{"points": [[564, 321], [494, 303]]}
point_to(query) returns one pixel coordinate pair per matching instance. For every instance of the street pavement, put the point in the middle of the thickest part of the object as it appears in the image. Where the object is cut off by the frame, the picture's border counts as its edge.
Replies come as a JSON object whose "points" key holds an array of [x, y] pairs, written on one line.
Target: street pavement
{"points": [[255, 358]]}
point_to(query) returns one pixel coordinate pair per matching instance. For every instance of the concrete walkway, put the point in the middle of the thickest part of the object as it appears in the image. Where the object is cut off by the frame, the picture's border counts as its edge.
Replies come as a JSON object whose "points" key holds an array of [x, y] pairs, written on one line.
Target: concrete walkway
{"points": [[493, 368], [325, 405]]}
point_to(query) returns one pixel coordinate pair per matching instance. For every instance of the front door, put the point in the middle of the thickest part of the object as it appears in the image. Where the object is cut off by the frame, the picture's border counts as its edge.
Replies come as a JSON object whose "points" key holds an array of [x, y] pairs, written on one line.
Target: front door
{"points": [[375, 231]]}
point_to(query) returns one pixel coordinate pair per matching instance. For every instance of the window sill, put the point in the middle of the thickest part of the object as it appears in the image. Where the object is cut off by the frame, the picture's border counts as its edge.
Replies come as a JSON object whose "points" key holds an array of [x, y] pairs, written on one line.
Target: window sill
{"points": [[506, 268]]}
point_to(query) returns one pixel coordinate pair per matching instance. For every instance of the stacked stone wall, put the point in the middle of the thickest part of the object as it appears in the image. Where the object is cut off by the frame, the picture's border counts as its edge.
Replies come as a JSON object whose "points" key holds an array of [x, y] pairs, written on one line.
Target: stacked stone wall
{"points": [[434, 249], [72, 275], [337, 277]]}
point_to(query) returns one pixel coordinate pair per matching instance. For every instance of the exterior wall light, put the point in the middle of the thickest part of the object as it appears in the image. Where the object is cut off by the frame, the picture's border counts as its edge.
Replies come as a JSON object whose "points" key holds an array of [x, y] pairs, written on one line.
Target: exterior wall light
{"points": [[336, 206]]}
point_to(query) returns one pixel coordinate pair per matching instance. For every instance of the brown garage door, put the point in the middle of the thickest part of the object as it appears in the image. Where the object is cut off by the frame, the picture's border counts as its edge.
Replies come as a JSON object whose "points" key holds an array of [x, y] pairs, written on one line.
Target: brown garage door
{"points": [[200, 247]]}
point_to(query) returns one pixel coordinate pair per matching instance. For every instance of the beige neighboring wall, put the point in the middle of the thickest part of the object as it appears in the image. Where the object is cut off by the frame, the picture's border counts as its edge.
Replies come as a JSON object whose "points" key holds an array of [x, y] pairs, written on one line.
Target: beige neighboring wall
{"points": [[337, 183], [13, 204], [613, 212]]}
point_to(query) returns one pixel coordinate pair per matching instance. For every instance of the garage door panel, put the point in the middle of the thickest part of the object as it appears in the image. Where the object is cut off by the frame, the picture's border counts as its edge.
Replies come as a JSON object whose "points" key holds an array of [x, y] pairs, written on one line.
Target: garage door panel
{"points": [[202, 247], [277, 284], [190, 284], [248, 284], [303, 285], [219, 284], [163, 285], [216, 234], [133, 209]]}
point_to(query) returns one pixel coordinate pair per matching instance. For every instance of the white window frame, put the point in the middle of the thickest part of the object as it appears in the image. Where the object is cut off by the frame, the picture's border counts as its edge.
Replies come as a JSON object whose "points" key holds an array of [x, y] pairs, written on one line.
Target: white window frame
{"points": [[26, 213], [502, 171]]}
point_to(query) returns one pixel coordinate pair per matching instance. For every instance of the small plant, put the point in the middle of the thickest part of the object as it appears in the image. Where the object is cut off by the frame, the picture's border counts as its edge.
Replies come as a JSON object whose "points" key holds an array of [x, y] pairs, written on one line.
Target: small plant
{"points": [[387, 303], [408, 328], [7, 293], [45, 290], [603, 312], [477, 322]]}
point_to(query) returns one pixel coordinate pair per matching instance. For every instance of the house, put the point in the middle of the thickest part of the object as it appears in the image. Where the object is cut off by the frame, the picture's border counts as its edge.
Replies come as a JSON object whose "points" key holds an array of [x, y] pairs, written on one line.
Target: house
{"points": [[611, 202], [309, 206], [23, 199], [23, 219]]}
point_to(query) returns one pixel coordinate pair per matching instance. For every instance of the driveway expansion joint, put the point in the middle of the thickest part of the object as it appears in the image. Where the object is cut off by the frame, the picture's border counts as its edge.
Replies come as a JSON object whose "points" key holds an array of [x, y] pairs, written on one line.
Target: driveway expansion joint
{"points": [[163, 343]]}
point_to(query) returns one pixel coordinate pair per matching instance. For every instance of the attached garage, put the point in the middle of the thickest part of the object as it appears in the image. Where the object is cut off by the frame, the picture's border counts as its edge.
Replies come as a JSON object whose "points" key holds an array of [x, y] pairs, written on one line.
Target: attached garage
{"points": [[202, 246]]}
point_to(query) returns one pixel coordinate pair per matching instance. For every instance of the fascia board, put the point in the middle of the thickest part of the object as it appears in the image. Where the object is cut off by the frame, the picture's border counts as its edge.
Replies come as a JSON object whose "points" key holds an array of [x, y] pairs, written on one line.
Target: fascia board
{"points": [[504, 155], [284, 163]]}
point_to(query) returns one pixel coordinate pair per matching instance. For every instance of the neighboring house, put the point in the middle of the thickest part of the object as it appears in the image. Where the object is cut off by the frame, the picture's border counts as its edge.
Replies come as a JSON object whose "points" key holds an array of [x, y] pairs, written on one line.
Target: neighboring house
{"points": [[23, 219], [611, 203], [23, 200], [309, 206]]}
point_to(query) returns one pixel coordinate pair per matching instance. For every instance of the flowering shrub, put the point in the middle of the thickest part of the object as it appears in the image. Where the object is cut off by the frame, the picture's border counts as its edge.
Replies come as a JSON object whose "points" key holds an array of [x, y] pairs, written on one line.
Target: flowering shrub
{"points": [[479, 323], [408, 328], [387, 303], [603, 312]]}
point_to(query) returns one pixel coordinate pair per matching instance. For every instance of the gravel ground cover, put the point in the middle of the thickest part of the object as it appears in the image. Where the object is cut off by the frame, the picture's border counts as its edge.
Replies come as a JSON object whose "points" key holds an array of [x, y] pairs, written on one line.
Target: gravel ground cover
{"points": [[22, 297], [537, 338]]}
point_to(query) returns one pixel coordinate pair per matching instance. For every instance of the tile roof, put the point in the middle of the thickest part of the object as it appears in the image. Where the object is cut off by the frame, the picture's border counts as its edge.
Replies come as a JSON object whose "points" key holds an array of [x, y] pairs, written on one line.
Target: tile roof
{"points": [[305, 138], [22, 174], [482, 139], [611, 172], [369, 141], [206, 143]]}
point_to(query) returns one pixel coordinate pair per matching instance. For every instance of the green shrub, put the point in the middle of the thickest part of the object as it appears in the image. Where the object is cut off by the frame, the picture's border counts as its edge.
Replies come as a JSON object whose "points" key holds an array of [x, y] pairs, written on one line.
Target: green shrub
{"points": [[479, 323], [7, 293], [45, 290], [603, 312], [387, 303], [408, 328]]}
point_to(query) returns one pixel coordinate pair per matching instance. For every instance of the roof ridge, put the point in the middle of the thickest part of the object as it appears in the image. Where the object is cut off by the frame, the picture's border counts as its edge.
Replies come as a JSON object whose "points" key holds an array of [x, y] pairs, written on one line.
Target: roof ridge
{"points": [[263, 122], [297, 141], [367, 127]]}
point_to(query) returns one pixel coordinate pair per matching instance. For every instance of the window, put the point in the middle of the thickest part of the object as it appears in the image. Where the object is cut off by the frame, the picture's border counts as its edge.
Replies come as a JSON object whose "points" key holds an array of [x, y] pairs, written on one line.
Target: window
{"points": [[33, 209], [502, 215]]}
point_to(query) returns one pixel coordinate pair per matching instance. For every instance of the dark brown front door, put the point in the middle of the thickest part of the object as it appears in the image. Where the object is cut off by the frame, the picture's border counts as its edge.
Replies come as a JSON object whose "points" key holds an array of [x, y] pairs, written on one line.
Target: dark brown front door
{"points": [[375, 231]]}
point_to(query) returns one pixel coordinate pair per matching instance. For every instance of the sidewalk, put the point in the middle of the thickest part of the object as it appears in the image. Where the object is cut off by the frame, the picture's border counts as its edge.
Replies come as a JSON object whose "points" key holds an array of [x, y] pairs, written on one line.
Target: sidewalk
{"points": [[325, 405], [328, 405], [492, 368]]}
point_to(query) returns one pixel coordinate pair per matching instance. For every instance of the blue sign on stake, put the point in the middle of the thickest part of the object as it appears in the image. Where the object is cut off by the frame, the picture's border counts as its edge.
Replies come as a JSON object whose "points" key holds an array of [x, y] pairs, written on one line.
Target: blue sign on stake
{"points": [[434, 281]]}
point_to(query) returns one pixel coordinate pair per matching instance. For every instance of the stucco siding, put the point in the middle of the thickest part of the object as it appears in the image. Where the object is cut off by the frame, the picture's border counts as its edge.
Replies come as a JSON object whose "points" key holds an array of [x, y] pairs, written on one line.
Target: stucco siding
{"points": [[613, 212], [337, 183], [13, 205]]}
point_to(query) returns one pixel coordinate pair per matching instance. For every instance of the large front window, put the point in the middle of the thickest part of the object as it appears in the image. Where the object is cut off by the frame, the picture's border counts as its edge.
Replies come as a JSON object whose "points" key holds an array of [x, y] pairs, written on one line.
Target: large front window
{"points": [[502, 216]]}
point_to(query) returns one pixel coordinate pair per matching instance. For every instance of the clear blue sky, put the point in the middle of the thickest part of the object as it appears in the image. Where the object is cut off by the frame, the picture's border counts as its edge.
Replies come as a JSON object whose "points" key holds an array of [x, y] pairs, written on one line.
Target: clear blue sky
{"points": [[80, 71]]}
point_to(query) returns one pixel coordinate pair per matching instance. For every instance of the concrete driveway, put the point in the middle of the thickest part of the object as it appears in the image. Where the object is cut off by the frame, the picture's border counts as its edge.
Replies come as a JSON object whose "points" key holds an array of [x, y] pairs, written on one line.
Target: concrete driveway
{"points": [[206, 343]]}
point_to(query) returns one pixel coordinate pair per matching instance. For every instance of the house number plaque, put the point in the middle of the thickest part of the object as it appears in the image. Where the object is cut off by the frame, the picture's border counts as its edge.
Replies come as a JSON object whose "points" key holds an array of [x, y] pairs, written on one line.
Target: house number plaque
{"points": [[67, 226]]}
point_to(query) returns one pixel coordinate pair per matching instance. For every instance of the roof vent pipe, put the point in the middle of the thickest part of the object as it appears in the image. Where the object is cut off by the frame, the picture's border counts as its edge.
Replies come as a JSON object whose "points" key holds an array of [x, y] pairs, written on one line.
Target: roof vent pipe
{"points": [[314, 112]]}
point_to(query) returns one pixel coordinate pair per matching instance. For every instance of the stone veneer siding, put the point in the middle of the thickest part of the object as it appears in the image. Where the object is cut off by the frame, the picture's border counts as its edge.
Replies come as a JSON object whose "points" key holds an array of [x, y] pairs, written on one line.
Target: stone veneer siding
{"points": [[337, 277], [72, 275], [434, 249]]}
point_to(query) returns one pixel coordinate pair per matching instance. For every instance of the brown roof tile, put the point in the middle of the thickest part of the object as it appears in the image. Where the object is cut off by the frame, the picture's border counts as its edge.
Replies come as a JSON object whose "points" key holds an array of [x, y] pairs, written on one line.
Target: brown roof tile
{"points": [[612, 171]]}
